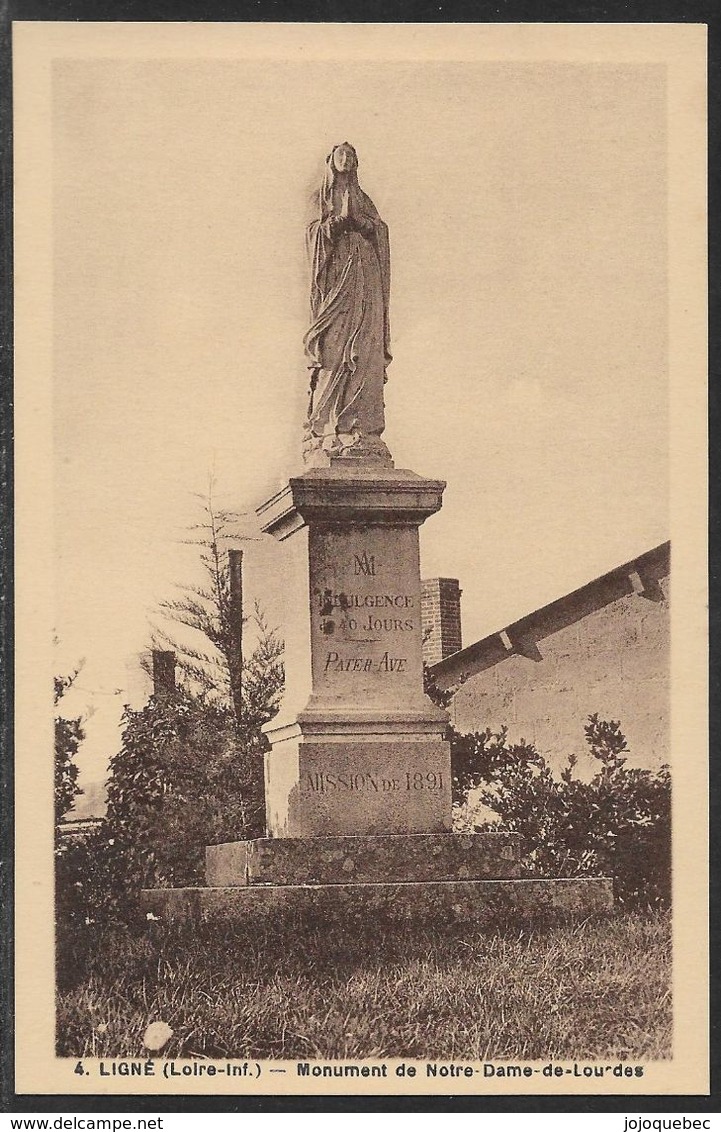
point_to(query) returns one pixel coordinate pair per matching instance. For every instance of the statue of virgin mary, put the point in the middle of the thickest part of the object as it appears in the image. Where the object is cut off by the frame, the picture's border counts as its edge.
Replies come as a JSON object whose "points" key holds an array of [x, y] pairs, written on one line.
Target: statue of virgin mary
{"points": [[348, 343]]}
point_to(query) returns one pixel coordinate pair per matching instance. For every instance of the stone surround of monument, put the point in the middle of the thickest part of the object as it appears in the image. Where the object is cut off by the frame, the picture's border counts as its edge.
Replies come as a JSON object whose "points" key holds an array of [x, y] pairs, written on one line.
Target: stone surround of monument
{"points": [[358, 776]]}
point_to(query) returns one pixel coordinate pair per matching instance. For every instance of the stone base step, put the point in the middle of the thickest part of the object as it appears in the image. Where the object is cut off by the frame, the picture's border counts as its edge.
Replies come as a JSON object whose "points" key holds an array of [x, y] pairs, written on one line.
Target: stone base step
{"points": [[367, 859], [478, 902]]}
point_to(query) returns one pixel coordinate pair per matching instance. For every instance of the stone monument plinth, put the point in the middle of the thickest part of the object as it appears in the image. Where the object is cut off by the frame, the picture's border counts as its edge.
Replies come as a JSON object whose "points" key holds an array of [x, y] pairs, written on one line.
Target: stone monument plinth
{"points": [[358, 748]]}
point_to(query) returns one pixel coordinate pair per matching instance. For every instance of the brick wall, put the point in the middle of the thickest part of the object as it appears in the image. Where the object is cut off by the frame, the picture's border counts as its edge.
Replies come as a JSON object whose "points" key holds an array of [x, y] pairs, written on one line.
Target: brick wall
{"points": [[440, 618]]}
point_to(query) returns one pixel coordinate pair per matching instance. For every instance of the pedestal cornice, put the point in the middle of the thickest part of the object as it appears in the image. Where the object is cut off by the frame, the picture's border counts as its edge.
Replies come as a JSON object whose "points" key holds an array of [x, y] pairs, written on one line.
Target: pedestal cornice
{"points": [[357, 724], [378, 496]]}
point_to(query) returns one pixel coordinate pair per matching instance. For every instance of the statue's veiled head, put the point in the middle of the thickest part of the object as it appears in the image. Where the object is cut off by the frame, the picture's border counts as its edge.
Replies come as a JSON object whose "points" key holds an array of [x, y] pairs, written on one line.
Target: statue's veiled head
{"points": [[344, 158]]}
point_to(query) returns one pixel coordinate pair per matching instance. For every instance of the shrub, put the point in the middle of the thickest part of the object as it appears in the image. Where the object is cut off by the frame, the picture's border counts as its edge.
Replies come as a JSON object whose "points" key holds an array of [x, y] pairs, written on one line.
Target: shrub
{"points": [[182, 780], [617, 824], [69, 734]]}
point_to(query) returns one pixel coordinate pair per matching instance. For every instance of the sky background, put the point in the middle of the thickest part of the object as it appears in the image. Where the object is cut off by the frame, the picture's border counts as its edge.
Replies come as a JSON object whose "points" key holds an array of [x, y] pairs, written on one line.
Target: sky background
{"points": [[526, 207]]}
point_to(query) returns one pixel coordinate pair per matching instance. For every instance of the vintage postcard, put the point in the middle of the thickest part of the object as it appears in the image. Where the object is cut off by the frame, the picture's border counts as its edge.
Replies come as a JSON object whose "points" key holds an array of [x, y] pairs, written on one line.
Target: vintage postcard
{"points": [[361, 542]]}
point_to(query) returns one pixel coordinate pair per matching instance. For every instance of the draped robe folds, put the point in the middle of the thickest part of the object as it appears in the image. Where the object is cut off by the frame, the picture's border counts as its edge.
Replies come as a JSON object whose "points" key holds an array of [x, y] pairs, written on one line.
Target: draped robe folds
{"points": [[348, 343]]}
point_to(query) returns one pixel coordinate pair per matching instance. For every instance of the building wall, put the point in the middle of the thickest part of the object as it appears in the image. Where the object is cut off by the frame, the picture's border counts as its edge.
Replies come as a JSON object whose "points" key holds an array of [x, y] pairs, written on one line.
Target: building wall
{"points": [[613, 659]]}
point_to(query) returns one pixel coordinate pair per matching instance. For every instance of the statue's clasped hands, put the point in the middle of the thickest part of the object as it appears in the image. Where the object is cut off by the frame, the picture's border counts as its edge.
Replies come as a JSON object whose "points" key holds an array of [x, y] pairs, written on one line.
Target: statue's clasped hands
{"points": [[337, 225]]}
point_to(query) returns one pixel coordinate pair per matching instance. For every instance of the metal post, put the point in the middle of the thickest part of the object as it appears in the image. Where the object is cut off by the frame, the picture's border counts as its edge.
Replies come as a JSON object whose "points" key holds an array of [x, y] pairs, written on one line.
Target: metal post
{"points": [[163, 672]]}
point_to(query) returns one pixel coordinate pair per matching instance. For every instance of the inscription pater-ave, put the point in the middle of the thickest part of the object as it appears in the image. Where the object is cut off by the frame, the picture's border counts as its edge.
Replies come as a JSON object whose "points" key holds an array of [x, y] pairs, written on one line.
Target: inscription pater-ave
{"points": [[334, 662]]}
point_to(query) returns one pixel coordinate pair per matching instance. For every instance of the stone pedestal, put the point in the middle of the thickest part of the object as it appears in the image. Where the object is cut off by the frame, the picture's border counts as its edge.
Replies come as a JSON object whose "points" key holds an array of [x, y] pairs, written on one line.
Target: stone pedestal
{"points": [[464, 903], [364, 860], [358, 748]]}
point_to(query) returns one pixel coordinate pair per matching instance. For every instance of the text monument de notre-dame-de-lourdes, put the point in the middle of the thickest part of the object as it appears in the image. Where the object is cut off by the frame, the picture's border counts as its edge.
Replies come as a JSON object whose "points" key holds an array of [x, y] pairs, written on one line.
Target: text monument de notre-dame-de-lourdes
{"points": [[358, 776]]}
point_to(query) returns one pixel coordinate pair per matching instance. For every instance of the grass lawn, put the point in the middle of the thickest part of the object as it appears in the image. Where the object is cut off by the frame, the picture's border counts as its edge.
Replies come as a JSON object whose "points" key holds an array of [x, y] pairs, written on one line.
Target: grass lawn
{"points": [[592, 990]]}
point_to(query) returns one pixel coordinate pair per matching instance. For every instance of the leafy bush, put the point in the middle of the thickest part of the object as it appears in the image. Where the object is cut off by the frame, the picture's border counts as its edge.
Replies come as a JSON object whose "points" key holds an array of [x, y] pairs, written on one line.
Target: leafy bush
{"points": [[617, 824], [182, 780], [69, 734]]}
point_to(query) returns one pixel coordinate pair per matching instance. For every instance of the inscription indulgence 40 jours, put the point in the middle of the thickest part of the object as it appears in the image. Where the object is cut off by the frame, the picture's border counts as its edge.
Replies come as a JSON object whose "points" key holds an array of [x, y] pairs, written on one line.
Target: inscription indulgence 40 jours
{"points": [[360, 611]]}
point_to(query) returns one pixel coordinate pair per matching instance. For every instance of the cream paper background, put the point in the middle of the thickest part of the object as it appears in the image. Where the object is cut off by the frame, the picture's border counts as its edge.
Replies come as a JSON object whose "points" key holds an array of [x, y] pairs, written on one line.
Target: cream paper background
{"points": [[45, 512]]}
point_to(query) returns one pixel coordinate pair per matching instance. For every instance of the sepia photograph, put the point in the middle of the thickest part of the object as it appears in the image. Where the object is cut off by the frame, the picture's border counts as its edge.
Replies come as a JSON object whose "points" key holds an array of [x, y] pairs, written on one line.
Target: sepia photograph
{"points": [[361, 559]]}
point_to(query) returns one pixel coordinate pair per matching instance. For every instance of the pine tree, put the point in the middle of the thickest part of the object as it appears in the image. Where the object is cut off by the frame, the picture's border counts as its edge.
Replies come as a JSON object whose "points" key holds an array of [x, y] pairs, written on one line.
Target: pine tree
{"points": [[213, 666]]}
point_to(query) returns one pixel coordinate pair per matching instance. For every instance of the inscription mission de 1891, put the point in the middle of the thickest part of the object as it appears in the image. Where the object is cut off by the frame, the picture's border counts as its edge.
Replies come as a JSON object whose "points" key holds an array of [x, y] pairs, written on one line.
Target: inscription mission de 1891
{"points": [[323, 783]]}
